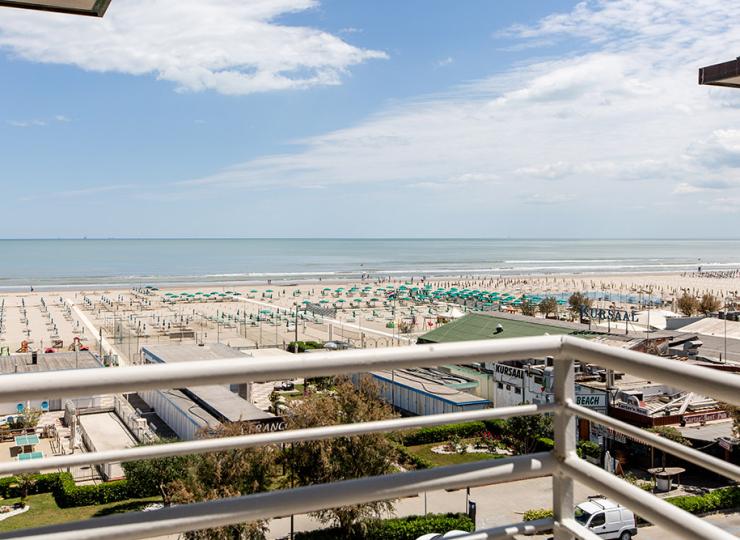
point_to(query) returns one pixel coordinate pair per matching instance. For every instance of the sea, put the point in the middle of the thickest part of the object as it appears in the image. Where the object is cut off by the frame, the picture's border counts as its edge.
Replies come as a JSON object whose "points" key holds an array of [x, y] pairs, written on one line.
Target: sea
{"points": [[79, 263]]}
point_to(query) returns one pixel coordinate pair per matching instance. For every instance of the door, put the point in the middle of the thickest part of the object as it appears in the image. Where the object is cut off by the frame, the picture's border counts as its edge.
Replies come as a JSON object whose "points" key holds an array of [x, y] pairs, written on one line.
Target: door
{"points": [[598, 524]]}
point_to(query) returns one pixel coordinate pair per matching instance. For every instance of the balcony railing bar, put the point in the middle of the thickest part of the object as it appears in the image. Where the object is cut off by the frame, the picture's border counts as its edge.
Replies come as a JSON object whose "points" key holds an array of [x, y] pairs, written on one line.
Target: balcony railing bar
{"points": [[74, 383], [301, 500], [581, 532], [712, 463], [563, 463], [261, 439], [507, 531], [659, 512]]}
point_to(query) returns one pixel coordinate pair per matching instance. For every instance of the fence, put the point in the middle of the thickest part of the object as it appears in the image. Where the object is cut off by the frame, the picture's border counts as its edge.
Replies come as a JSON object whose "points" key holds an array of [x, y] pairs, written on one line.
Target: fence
{"points": [[563, 463]]}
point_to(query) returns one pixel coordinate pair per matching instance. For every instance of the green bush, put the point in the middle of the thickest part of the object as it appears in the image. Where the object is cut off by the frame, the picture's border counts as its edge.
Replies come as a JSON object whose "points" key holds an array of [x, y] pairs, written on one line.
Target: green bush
{"points": [[408, 458], [67, 494], [544, 444], [44, 483], [536, 513], [408, 528], [719, 499], [496, 427], [589, 449], [443, 433], [304, 346]]}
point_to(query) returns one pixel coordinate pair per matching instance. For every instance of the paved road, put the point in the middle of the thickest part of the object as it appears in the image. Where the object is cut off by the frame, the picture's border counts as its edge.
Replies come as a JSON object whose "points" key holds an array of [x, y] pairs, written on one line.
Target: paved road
{"points": [[496, 505]]}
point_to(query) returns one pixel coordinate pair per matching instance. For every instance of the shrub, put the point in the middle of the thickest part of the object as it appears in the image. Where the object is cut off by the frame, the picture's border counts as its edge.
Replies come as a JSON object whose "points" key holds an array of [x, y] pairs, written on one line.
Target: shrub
{"points": [[443, 433], [719, 499], [408, 528], [304, 346], [67, 494], [589, 449], [43, 483], [496, 427], [408, 458], [537, 513], [544, 444]]}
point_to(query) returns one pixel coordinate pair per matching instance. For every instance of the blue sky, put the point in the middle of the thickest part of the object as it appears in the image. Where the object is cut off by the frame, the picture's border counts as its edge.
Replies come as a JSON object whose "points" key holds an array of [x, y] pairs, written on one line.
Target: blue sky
{"points": [[345, 118]]}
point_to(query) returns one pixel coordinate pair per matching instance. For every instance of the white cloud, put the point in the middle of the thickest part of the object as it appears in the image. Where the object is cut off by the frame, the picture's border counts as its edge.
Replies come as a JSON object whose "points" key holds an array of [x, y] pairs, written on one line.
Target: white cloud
{"points": [[231, 46], [27, 123], [620, 125], [445, 61]]}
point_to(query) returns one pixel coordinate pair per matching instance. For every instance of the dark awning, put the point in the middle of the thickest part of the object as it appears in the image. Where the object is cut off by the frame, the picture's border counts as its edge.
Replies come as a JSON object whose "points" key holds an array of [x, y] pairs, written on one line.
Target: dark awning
{"points": [[724, 74], [93, 8]]}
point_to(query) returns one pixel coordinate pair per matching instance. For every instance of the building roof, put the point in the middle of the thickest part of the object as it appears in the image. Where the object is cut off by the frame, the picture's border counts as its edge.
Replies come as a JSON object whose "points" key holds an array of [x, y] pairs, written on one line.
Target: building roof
{"points": [[425, 384], [178, 352], [21, 363], [474, 326], [708, 432], [225, 405]]}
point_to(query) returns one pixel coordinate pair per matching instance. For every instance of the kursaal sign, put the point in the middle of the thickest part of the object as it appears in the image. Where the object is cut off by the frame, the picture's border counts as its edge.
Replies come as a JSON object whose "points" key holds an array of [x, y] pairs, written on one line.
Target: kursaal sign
{"points": [[608, 314]]}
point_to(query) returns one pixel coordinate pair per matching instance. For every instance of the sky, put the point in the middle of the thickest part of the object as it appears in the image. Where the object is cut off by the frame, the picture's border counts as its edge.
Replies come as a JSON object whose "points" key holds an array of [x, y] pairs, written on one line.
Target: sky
{"points": [[337, 118]]}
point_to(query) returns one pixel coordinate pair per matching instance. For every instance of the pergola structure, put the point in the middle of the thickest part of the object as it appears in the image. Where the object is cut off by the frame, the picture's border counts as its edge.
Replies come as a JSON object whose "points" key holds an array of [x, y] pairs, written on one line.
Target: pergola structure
{"points": [[724, 74], [93, 8]]}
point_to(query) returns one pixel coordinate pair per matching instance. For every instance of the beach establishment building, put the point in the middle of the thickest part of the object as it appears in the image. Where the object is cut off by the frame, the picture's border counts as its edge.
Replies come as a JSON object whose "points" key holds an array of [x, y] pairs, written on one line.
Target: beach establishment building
{"points": [[188, 411], [422, 391], [39, 362]]}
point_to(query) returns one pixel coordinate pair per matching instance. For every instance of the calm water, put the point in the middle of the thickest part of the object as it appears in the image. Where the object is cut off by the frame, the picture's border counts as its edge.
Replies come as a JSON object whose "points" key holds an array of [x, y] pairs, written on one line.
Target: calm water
{"points": [[46, 263]]}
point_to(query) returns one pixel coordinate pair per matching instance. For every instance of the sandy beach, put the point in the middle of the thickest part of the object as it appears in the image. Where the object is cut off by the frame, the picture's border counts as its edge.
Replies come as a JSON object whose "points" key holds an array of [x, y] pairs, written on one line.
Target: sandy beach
{"points": [[363, 312]]}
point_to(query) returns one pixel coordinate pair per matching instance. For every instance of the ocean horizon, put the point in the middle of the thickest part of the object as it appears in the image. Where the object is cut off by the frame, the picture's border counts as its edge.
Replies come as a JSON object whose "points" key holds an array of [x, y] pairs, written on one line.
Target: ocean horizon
{"points": [[51, 263]]}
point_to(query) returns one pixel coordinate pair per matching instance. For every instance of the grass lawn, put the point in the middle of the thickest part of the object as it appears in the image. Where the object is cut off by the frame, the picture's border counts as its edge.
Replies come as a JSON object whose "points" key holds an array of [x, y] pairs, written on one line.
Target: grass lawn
{"points": [[44, 511], [425, 451]]}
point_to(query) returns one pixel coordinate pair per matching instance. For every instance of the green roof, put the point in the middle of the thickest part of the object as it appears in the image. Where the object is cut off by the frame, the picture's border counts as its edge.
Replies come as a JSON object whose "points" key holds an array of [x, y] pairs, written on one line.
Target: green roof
{"points": [[481, 326]]}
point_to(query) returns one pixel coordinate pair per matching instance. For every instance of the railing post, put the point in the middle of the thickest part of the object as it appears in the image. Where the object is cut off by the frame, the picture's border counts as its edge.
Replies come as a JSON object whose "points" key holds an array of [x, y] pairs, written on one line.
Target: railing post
{"points": [[565, 444]]}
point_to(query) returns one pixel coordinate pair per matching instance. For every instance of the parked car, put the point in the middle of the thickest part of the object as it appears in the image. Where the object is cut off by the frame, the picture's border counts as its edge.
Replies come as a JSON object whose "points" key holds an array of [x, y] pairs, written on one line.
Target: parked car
{"points": [[284, 386], [607, 519]]}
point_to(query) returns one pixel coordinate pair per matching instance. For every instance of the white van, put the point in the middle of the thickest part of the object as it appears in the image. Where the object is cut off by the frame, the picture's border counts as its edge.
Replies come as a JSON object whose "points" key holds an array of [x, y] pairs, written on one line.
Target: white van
{"points": [[606, 519]]}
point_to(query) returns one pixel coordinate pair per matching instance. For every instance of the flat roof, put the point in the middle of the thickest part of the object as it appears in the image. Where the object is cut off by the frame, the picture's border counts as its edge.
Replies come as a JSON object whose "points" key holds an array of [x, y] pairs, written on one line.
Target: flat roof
{"points": [[21, 363], [708, 432], [223, 403], [190, 353], [475, 326], [177, 352], [189, 407], [423, 385]]}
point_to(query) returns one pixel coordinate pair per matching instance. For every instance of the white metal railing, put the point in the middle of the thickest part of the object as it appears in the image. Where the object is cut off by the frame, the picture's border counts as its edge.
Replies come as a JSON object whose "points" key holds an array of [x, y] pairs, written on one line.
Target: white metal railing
{"points": [[562, 463]]}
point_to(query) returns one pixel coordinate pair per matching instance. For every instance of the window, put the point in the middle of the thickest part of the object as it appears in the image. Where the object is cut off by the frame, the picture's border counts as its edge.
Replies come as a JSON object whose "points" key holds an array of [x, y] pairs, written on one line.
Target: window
{"points": [[508, 387], [598, 520], [517, 391], [500, 385]]}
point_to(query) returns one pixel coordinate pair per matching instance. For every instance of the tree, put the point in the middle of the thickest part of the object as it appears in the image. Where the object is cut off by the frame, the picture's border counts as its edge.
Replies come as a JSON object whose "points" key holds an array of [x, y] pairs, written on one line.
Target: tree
{"points": [[26, 482], [525, 431], [149, 476], [670, 433], [734, 413], [577, 302], [687, 304], [709, 303], [318, 462], [528, 308], [239, 471], [29, 418], [549, 306]]}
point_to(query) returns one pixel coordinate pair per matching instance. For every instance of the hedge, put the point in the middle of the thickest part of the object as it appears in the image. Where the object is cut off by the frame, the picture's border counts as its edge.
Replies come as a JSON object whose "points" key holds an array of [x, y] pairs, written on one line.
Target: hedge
{"points": [[443, 433], [534, 514], [407, 457], [719, 499], [408, 528], [68, 494]]}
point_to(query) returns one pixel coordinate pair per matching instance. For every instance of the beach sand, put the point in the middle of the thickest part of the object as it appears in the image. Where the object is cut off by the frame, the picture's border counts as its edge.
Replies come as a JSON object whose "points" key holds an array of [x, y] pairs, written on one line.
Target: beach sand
{"points": [[263, 315]]}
